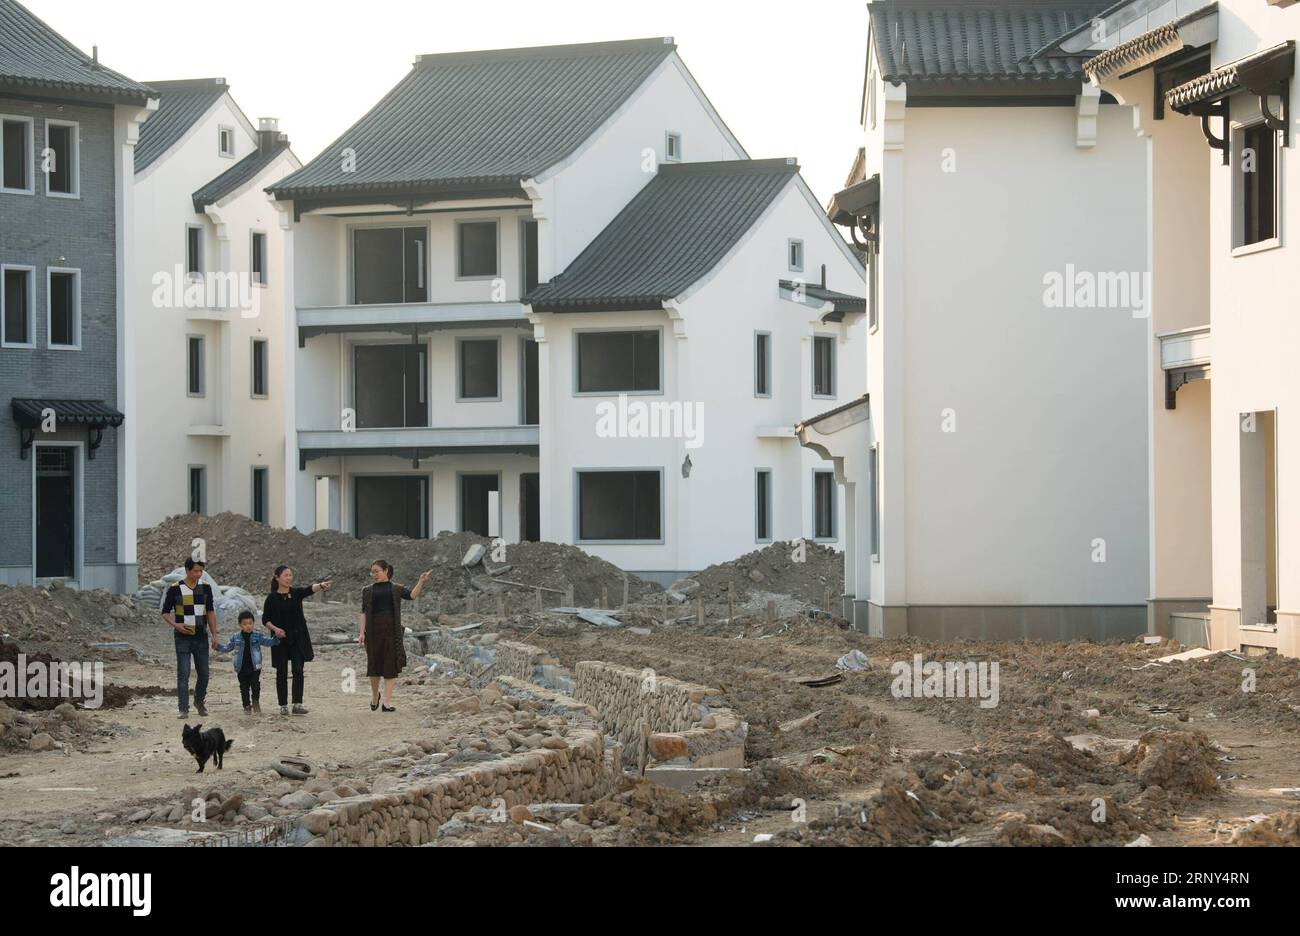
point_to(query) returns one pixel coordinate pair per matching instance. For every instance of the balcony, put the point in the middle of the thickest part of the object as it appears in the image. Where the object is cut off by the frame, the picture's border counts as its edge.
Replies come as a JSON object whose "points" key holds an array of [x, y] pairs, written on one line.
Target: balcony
{"points": [[414, 443], [408, 318], [1184, 357]]}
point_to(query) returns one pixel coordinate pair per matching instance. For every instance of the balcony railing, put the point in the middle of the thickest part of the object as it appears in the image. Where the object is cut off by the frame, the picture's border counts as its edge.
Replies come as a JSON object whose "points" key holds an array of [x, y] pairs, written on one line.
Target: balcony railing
{"points": [[416, 442], [414, 317]]}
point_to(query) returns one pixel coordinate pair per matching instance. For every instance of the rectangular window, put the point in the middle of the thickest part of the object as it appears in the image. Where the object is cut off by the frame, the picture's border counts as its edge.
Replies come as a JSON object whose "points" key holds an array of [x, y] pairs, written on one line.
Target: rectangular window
{"points": [[64, 312], [476, 250], [257, 258], [618, 362], [873, 496], [389, 265], [193, 249], [823, 505], [392, 505], [261, 493], [823, 366], [762, 364], [763, 505], [529, 234], [479, 362], [390, 386], [1257, 186], [198, 489], [16, 155], [16, 306], [63, 177], [259, 367], [194, 365], [619, 505], [226, 142], [795, 252], [673, 147], [476, 503]]}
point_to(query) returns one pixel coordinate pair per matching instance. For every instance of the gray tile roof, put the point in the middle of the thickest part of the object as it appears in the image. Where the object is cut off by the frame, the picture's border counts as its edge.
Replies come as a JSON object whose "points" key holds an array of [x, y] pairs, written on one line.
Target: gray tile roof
{"points": [[36, 59], [180, 104], [972, 40], [668, 237], [247, 169], [30, 412], [481, 119]]}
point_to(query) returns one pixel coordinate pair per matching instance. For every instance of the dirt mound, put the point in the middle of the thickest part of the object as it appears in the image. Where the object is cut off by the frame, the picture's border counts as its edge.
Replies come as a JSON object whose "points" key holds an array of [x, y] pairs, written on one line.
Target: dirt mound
{"points": [[802, 571], [112, 696], [1178, 761], [242, 552], [64, 618], [1282, 829]]}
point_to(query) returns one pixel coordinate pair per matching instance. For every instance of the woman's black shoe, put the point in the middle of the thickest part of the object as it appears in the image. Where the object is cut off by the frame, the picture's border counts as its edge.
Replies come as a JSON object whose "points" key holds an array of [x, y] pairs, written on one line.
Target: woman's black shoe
{"points": [[374, 706], [389, 709]]}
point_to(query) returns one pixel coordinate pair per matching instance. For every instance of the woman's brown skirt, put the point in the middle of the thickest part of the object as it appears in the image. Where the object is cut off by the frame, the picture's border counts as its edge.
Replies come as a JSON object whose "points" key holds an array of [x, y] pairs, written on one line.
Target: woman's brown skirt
{"points": [[385, 647]]}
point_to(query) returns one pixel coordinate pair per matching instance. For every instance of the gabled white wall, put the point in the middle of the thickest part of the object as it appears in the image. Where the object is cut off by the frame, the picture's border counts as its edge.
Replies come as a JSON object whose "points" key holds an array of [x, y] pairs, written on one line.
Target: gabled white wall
{"points": [[164, 207], [581, 196], [708, 360]]}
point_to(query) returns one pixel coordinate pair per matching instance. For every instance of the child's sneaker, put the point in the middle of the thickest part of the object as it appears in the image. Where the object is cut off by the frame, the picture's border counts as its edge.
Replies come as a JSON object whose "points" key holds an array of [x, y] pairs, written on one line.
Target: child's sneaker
{"points": [[284, 710], [248, 710]]}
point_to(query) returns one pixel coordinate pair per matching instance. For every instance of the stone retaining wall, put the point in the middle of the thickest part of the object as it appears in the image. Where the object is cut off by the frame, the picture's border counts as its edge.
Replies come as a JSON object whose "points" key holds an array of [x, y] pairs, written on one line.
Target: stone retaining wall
{"points": [[684, 723], [580, 772]]}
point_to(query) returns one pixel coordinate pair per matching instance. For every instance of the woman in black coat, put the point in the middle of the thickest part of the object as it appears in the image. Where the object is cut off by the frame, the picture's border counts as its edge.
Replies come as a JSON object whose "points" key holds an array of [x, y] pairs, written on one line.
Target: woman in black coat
{"points": [[283, 614], [382, 633]]}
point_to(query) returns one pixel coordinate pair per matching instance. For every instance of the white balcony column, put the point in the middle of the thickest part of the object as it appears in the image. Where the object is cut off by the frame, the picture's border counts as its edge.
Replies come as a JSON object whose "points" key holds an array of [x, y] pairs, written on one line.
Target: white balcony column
{"points": [[284, 213], [224, 356]]}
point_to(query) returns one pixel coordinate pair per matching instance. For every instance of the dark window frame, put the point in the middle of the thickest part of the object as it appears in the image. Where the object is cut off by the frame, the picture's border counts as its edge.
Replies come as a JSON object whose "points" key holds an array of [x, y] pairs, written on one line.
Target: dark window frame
{"points": [[71, 163], [461, 224], [194, 250], [29, 318], [28, 154], [656, 537], [461, 395], [829, 393], [581, 335], [264, 346], [258, 259], [195, 366], [75, 275], [763, 364], [763, 503], [831, 512], [423, 274], [260, 493], [196, 498], [1257, 208]]}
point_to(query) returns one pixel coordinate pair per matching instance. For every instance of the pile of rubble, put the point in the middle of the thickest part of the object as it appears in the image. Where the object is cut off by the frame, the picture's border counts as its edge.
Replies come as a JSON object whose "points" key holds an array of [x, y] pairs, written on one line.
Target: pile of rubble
{"points": [[62, 618], [244, 553]]}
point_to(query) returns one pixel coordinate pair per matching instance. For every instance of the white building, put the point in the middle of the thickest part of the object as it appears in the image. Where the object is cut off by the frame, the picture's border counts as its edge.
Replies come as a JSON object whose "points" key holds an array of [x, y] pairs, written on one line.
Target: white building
{"points": [[504, 274], [210, 326], [998, 466], [1225, 524]]}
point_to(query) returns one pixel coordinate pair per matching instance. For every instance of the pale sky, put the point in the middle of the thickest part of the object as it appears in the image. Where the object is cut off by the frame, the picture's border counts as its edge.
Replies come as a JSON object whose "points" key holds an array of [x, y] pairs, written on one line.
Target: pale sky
{"points": [[786, 77]]}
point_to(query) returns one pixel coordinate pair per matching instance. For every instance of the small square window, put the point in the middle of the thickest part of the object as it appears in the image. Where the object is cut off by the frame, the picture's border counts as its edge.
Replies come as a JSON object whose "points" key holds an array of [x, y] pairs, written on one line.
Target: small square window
{"points": [[477, 249], [795, 255], [673, 147], [479, 369], [226, 142]]}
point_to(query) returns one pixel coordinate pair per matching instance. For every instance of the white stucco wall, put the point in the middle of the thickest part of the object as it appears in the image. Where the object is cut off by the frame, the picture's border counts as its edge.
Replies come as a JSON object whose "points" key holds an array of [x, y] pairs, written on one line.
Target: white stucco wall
{"points": [[1050, 405], [164, 209]]}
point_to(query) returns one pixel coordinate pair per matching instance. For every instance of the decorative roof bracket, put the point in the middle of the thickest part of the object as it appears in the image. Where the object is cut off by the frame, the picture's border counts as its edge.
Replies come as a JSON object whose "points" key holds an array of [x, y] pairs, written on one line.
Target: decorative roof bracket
{"points": [[1217, 109], [1282, 122]]}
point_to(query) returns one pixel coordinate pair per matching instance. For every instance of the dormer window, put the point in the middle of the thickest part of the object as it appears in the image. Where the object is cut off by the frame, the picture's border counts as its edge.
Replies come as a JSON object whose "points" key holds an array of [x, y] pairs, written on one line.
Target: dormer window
{"points": [[673, 147], [226, 142]]}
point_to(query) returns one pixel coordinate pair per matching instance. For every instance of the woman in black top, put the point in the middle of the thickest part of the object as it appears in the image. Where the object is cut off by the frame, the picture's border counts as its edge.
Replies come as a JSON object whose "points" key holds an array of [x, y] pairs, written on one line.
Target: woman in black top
{"points": [[382, 633], [283, 614]]}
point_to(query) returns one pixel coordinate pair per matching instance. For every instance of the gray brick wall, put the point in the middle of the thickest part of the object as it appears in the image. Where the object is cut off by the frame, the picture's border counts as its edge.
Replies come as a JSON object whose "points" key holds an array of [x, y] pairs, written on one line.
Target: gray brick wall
{"points": [[42, 232]]}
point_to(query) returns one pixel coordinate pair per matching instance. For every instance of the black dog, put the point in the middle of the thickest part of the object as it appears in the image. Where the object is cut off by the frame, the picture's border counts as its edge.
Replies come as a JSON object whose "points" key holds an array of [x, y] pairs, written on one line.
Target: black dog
{"points": [[204, 744]]}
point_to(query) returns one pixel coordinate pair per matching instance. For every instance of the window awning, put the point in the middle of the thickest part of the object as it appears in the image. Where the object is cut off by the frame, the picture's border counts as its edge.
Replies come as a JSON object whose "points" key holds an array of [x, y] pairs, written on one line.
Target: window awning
{"points": [[31, 415], [1196, 29], [1263, 74], [858, 209]]}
